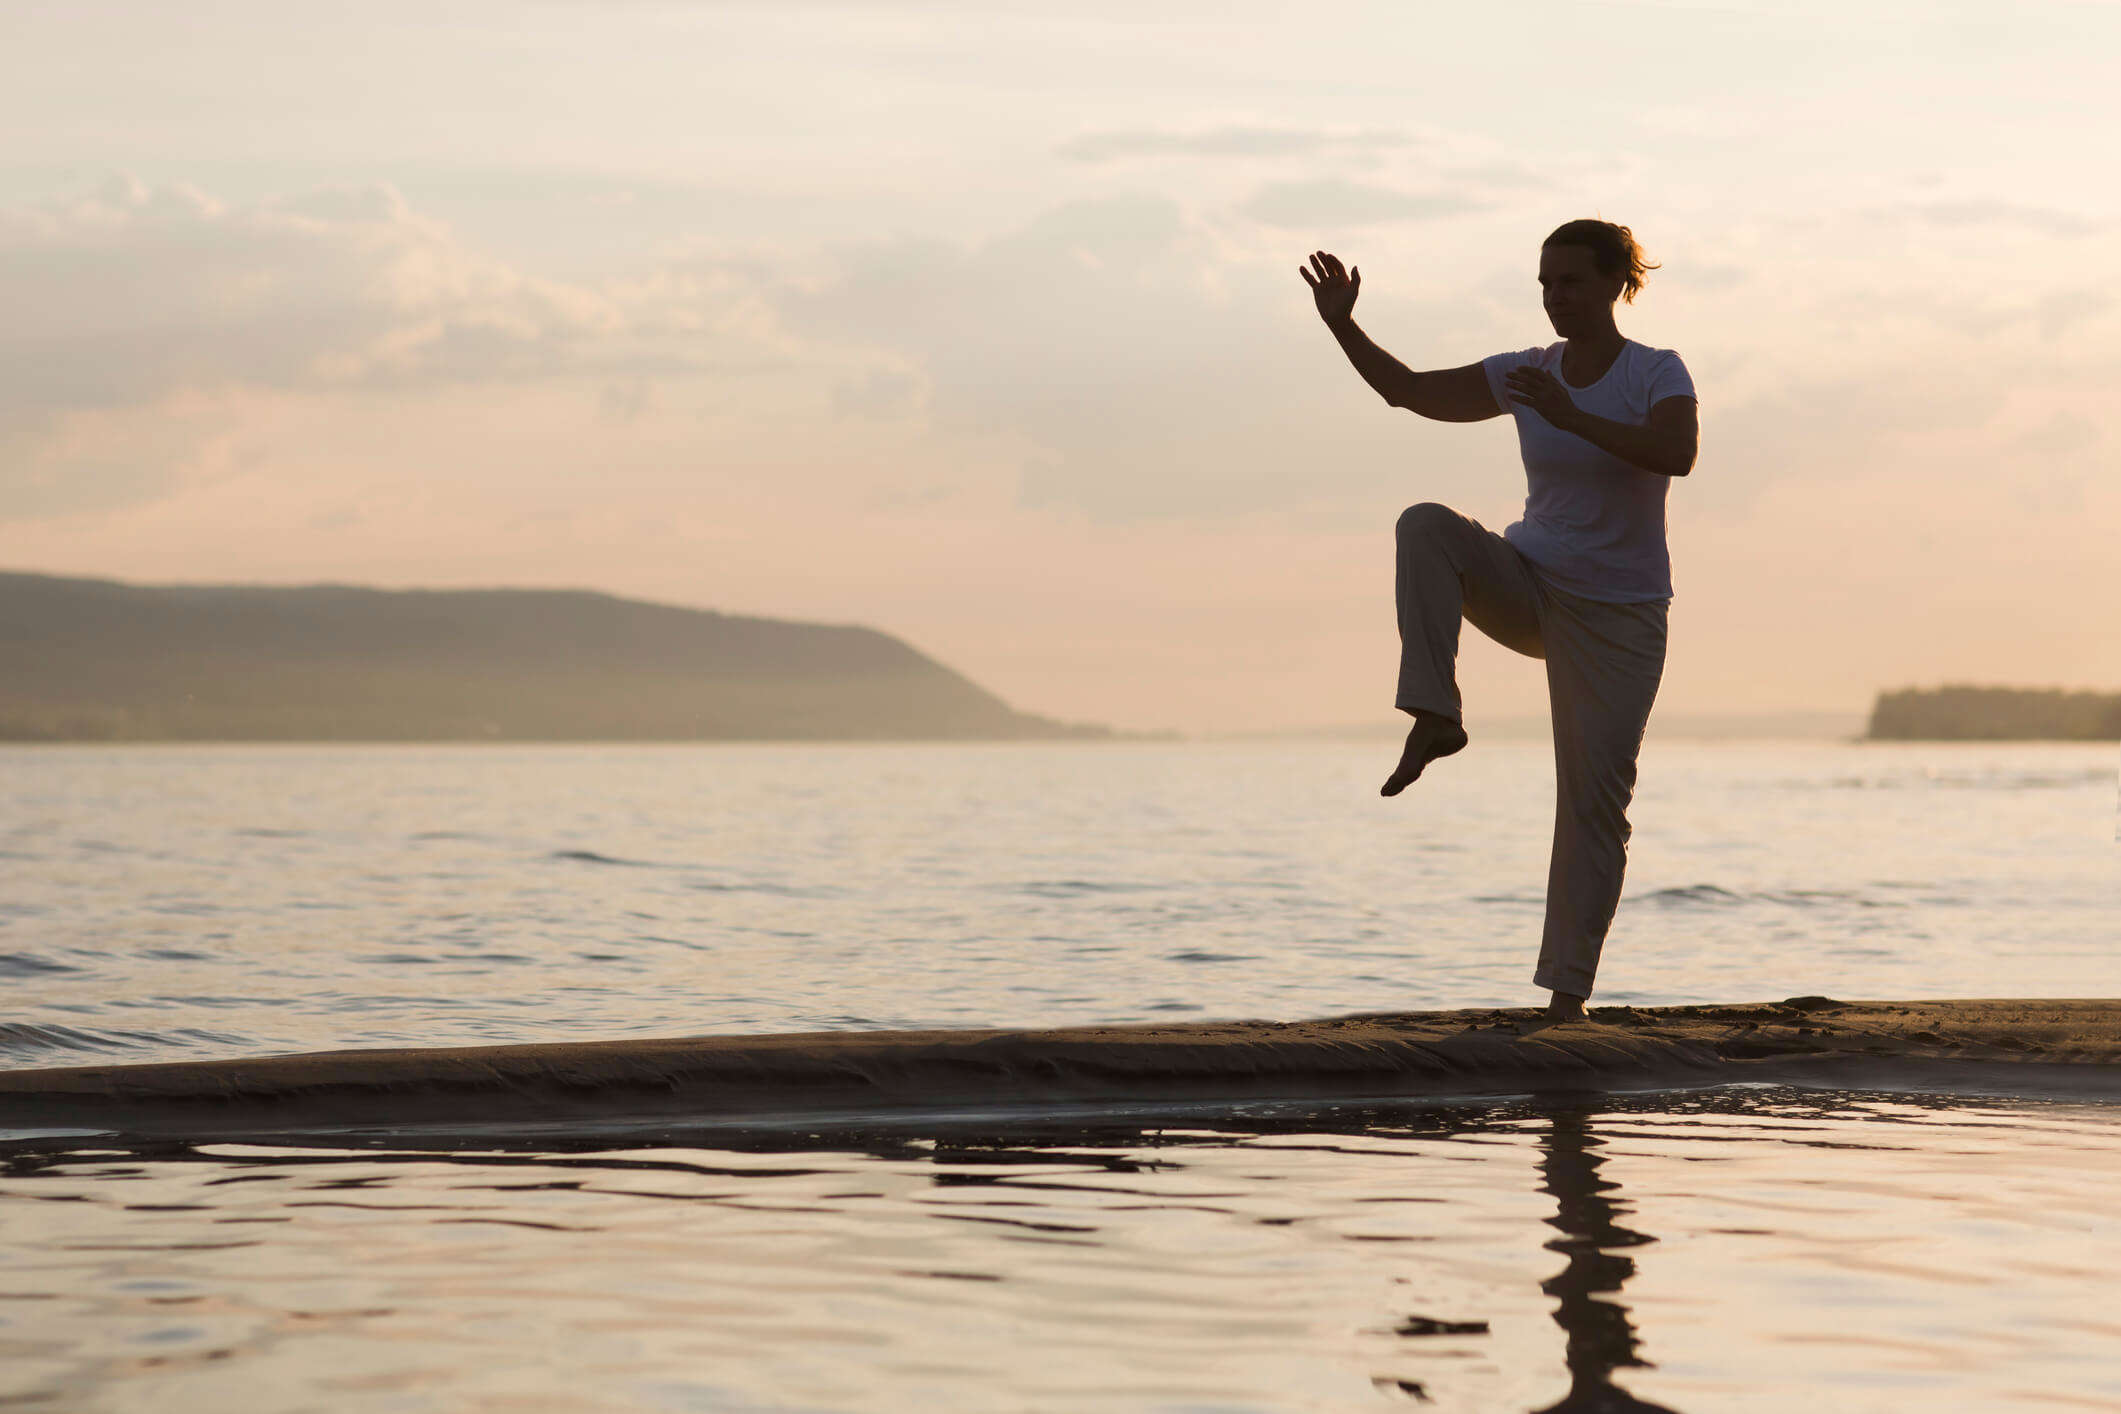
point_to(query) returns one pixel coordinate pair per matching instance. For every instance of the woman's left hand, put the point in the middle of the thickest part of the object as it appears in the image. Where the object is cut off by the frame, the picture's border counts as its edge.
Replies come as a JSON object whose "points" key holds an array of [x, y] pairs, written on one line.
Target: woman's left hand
{"points": [[1543, 393]]}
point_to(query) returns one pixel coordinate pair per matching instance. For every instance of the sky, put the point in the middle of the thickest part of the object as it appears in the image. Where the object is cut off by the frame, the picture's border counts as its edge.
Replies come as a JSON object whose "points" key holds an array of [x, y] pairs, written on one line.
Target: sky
{"points": [[981, 323]]}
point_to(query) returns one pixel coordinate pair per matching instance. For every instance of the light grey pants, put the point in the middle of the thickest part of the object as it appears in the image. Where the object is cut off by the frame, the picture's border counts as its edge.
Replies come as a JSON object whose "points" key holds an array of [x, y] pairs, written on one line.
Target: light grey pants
{"points": [[1603, 661]]}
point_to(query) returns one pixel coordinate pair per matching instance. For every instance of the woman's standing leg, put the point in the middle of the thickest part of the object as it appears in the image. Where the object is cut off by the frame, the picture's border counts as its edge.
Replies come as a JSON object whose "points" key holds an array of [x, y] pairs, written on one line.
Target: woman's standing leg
{"points": [[1604, 662]]}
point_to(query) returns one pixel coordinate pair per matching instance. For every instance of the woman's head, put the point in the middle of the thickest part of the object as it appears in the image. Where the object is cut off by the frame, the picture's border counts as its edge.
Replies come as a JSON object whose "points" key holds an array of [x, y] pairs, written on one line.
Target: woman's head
{"points": [[1615, 254], [1584, 268]]}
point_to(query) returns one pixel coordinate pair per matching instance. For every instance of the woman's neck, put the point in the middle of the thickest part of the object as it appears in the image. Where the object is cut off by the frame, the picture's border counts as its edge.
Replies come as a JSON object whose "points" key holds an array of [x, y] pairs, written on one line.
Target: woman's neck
{"points": [[1597, 344], [1585, 358]]}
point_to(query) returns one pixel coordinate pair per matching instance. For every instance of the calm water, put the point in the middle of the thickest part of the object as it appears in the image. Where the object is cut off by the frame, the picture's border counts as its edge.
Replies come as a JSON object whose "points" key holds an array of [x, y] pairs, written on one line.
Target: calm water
{"points": [[1728, 1251], [1741, 1249], [162, 903]]}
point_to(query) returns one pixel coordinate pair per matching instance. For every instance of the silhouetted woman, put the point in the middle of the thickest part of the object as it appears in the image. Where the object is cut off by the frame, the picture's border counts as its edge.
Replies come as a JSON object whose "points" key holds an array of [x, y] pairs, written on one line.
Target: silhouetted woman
{"points": [[1582, 580]]}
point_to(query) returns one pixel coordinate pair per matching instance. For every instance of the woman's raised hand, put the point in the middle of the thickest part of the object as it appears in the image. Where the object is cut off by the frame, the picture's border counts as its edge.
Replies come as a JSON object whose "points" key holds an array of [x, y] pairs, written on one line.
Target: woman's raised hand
{"points": [[1333, 286]]}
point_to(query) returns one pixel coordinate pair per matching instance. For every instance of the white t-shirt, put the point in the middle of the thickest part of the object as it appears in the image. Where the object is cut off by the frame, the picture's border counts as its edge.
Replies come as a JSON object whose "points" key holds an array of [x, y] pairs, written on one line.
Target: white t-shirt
{"points": [[1593, 524]]}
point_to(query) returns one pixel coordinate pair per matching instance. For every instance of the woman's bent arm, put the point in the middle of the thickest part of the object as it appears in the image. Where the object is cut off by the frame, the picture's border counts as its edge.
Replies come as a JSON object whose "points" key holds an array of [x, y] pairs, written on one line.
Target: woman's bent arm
{"points": [[1393, 380], [1446, 395], [1453, 395], [1666, 444]]}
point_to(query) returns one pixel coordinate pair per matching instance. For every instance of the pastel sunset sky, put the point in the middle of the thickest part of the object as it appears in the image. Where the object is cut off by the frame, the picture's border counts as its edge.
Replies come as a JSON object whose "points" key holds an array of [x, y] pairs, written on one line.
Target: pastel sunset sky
{"points": [[981, 323]]}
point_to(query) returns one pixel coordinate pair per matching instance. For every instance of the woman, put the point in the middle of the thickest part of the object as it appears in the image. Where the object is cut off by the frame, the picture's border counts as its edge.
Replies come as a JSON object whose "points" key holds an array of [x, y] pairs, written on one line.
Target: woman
{"points": [[1583, 580]]}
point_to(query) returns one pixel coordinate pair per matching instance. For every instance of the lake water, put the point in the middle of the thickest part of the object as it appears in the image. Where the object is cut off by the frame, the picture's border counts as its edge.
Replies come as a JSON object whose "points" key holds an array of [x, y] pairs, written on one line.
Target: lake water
{"points": [[1747, 1248], [1758, 1250], [173, 902]]}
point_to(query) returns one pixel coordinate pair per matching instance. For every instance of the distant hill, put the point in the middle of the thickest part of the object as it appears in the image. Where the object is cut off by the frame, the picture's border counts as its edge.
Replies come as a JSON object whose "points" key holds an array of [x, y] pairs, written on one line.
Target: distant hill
{"points": [[1962, 713], [89, 659]]}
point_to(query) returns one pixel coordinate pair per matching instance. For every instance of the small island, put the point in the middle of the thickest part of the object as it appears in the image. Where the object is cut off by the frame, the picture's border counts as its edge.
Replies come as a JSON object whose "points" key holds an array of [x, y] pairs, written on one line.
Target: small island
{"points": [[97, 660], [1968, 713]]}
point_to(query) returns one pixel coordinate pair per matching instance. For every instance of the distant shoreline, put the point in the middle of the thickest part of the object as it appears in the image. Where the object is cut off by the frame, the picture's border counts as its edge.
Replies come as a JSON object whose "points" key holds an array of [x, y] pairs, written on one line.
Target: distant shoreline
{"points": [[1951, 713], [1822, 724], [91, 660], [1964, 712]]}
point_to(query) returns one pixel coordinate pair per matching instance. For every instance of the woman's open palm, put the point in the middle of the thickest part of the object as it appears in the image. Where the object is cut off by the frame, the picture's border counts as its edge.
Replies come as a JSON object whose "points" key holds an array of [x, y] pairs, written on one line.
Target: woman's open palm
{"points": [[1333, 286]]}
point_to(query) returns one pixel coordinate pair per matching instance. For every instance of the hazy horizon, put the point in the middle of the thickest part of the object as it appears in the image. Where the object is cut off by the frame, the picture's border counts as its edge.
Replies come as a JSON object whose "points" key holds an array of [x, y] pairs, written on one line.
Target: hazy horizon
{"points": [[981, 325], [1804, 723]]}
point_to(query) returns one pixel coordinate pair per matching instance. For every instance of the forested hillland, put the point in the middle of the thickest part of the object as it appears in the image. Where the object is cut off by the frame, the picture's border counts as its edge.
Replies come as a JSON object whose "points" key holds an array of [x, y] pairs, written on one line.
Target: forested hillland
{"points": [[1963, 713], [96, 660]]}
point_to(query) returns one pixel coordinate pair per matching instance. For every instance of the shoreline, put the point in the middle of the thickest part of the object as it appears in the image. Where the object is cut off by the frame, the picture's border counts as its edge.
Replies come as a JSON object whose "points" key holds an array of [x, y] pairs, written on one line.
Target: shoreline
{"points": [[2000, 1047]]}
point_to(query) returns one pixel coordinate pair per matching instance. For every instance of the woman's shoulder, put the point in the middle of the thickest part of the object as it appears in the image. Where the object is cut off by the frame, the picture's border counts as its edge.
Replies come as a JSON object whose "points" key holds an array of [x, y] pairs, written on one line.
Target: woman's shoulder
{"points": [[1658, 373], [1546, 356]]}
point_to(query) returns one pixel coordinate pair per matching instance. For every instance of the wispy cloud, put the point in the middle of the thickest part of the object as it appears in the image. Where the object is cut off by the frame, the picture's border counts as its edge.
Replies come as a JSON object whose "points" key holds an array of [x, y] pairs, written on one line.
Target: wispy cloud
{"points": [[2041, 220], [134, 311], [1146, 370], [132, 292], [1235, 141], [1334, 201]]}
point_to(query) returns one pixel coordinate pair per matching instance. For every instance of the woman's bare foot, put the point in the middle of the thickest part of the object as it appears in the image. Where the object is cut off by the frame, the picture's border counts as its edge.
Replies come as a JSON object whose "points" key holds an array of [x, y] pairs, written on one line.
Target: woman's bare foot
{"points": [[1431, 736], [1564, 1008]]}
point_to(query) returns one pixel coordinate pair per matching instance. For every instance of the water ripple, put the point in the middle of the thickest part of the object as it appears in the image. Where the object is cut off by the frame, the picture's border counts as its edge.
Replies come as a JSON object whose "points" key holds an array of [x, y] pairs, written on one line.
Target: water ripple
{"points": [[30, 1040], [25, 964], [1076, 888], [1933, 778], [590, 856]]}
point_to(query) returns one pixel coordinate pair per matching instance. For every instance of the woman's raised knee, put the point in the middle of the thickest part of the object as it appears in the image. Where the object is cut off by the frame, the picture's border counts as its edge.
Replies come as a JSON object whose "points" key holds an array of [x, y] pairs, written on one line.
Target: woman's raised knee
{"points": [[1425, 519]]}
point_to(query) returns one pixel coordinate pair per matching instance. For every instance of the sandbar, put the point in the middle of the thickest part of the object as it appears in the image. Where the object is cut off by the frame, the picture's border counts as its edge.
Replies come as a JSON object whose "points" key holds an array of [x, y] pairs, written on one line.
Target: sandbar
{"points": [[2066, 1048]]}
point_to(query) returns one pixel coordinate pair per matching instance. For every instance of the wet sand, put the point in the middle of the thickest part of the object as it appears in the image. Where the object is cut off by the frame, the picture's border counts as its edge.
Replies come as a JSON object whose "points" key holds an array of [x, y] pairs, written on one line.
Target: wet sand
{"points": [[2068, 1048]]}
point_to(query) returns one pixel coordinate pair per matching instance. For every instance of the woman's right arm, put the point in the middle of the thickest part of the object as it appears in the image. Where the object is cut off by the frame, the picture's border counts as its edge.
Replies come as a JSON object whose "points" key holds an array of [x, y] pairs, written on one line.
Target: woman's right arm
{"points": [[1446, 395]]}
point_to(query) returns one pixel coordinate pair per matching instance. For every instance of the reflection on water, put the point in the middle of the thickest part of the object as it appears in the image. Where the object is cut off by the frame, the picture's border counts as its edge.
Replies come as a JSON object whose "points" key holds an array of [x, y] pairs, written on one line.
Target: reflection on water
{"points": [[1862, 1252], [1601, 1337]]}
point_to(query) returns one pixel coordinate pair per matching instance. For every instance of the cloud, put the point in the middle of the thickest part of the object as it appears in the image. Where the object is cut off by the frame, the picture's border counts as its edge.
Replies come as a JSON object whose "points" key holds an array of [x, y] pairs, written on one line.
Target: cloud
{"points": [[2014, 215], [126, 298], [1120, 144], [1138, 366], [74, 462], [878, 392], [1977, 312], [1499, 174], [1330, 202], [132, 292]]}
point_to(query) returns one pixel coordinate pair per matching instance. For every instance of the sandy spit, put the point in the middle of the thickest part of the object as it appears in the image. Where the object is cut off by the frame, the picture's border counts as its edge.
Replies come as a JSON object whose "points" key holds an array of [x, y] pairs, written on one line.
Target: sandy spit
{"points": [[2003, 1047]]}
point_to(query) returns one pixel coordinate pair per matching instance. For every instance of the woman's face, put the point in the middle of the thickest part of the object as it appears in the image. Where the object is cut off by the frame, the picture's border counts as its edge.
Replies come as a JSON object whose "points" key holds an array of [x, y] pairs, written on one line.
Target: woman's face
{"points": [[1578, 299]]}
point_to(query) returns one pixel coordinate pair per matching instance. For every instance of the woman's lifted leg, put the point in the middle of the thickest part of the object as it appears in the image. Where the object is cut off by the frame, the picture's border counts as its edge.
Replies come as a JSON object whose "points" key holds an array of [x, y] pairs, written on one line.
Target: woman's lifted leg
{"points": [[1451, 568]]}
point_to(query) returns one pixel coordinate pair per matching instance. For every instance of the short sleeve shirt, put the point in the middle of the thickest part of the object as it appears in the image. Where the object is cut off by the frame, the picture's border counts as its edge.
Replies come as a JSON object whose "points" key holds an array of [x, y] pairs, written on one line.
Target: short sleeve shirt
{"points": [[1593, 525]]}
